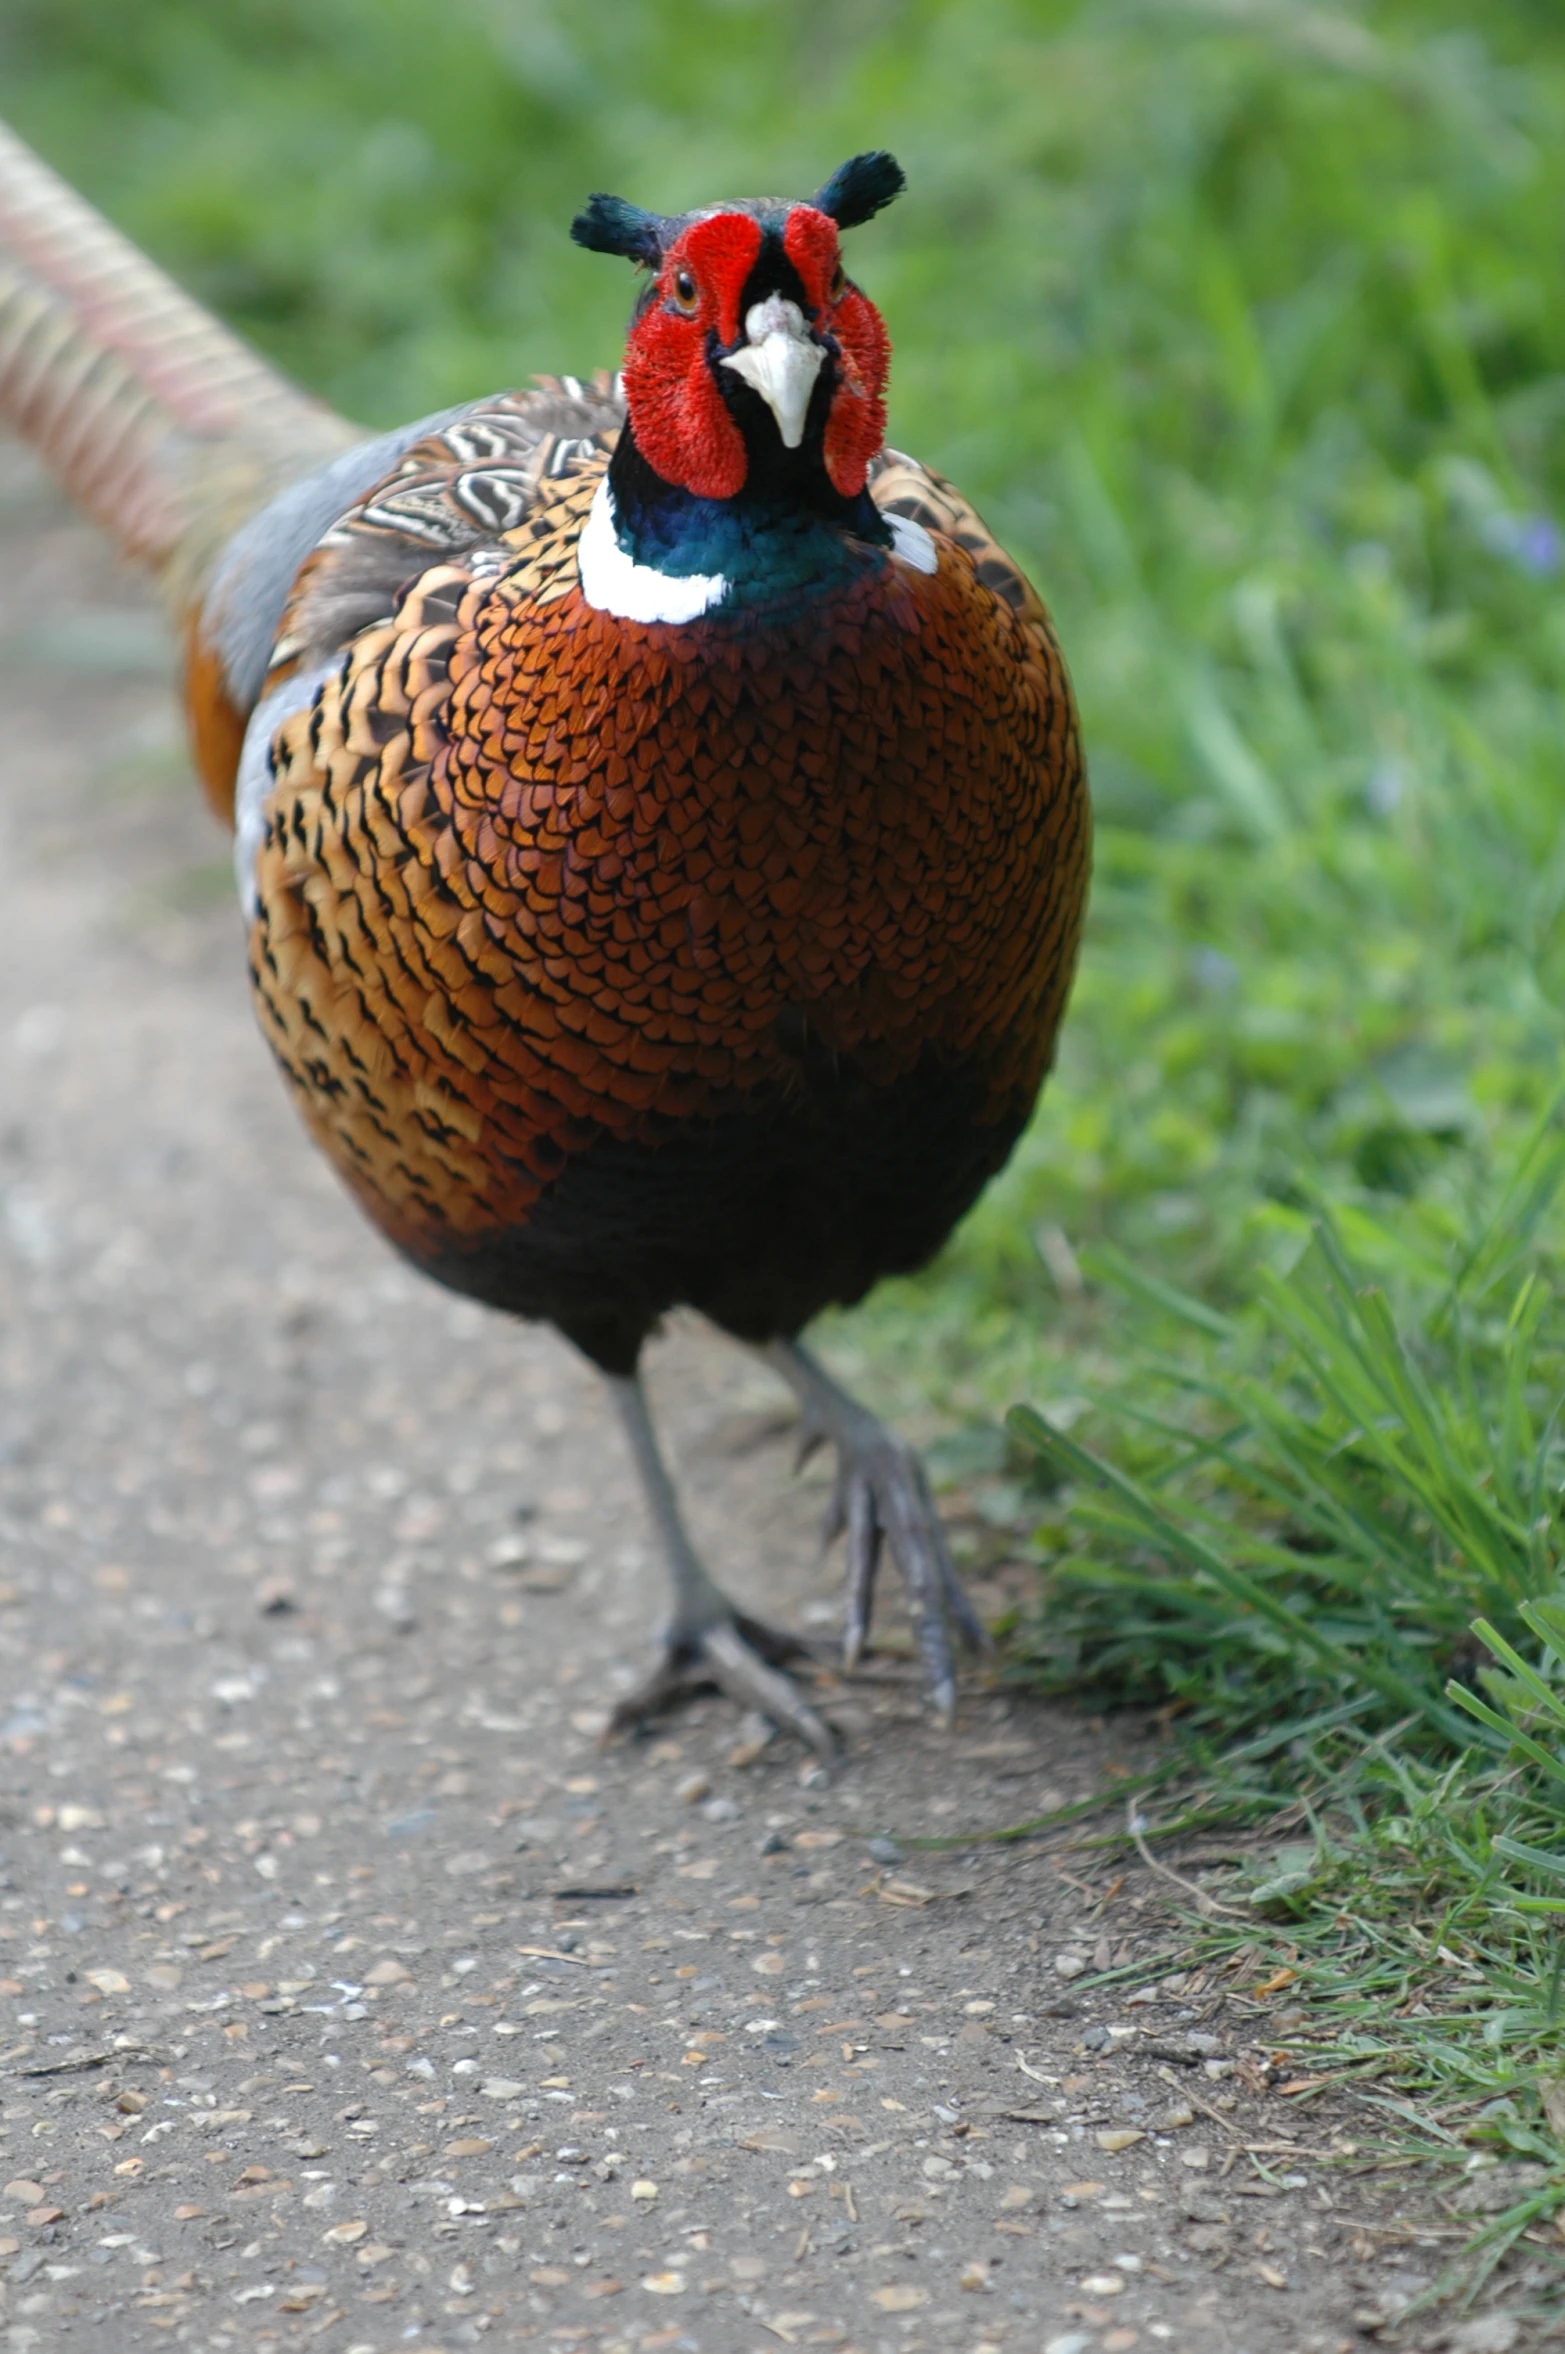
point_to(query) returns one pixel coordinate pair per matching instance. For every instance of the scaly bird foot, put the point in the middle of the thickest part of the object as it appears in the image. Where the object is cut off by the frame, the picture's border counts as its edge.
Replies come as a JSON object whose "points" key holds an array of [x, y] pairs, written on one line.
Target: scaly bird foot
{"points": [[738, 1655], [882, 1497], [709, 1641]]}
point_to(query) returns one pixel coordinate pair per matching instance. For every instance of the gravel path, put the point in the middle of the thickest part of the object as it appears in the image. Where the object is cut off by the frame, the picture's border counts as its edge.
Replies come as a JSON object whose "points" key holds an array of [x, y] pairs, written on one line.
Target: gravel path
{"points": [[349, 1994]]}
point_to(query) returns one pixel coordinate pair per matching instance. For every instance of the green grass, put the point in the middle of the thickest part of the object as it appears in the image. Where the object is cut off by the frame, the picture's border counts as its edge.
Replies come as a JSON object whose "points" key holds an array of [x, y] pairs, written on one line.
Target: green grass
{"points": [[1336, 1518], [1243, 322], [1318, 1501], [1398, 1924]]}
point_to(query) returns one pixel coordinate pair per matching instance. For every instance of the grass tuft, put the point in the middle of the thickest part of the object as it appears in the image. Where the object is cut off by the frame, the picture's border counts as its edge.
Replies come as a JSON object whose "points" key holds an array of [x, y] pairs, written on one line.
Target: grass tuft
{"points": [[1346, 1526], [1338, 1485]]}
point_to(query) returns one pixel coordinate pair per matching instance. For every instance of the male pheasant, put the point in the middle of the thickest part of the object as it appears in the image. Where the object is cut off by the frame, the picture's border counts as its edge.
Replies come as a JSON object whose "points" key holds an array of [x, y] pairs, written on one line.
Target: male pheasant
{"points": [[659, 810]]}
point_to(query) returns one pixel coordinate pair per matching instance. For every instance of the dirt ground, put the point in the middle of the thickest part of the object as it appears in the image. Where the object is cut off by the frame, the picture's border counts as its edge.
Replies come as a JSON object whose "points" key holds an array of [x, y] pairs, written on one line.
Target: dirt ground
{"points": [[349, 1994]]}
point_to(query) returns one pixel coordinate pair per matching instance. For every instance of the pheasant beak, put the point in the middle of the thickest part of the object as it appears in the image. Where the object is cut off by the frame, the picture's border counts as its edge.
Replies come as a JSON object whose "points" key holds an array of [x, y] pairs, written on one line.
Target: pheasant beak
{"points": [[781, 360]]}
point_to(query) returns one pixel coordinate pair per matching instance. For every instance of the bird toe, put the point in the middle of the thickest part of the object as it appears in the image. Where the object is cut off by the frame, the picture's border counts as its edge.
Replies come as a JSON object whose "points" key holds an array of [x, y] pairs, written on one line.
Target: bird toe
{"points": [[741, 1656]]}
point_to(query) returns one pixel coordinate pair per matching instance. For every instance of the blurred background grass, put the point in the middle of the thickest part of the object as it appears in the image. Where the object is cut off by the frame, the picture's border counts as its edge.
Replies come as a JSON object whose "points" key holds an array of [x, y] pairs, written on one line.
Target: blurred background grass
{"points": [[1242, 321]]}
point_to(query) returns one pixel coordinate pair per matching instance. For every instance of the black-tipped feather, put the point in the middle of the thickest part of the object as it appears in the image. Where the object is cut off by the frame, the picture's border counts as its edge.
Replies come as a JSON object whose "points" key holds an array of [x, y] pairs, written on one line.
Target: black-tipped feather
{"points": [[861, 187], [612, 224]]}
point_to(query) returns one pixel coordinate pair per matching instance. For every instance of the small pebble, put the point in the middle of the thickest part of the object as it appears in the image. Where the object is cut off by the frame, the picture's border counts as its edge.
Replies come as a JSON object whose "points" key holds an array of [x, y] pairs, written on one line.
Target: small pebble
{"points": [[883, 1851], [756, 1735], [394, 1604], [1069, 1965], [692, 1787]]}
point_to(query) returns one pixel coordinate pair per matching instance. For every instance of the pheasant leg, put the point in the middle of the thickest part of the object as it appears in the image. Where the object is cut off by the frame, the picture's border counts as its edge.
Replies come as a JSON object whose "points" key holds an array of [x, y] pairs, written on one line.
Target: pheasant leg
{"points": [[707, 1641], [881, 1495]]}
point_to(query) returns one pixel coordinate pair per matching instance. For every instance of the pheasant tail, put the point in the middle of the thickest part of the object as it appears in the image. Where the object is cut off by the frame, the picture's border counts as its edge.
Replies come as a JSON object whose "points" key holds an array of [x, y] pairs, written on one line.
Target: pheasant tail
{"points": [[162, 426]]}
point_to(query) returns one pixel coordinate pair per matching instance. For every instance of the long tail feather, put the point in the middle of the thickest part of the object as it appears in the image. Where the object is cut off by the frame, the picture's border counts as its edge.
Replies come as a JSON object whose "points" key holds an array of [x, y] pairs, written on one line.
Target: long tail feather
{"points": [[157, 421]]}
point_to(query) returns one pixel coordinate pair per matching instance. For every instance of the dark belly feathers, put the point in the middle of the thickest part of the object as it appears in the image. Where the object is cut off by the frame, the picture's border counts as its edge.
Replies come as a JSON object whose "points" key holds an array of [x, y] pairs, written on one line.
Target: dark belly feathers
{"points": [[759, 1216]]}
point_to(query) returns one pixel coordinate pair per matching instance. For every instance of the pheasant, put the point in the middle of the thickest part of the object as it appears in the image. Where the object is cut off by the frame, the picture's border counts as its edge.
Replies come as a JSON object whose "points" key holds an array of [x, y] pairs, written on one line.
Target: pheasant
{"points": [[658, 807]]}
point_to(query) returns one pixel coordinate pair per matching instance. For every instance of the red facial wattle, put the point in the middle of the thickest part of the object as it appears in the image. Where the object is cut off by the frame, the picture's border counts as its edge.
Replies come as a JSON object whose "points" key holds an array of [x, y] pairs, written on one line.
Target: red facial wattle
{"points": [[682, 423], [856, 422]]}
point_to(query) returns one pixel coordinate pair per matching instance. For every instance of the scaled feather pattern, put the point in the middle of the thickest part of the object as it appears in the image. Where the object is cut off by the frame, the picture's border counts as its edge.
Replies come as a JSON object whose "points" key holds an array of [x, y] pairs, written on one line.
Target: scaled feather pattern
{"points": [[536, 882]]}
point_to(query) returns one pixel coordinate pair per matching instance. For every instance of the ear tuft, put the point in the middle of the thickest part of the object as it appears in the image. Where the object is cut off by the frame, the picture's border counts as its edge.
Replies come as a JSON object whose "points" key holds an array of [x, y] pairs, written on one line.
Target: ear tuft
{"points": [[612, 224], [860, 188]]}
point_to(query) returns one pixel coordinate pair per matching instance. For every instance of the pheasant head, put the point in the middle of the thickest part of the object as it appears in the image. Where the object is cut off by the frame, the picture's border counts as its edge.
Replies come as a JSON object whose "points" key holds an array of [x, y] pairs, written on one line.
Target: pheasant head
{"points": [[754, 374]]}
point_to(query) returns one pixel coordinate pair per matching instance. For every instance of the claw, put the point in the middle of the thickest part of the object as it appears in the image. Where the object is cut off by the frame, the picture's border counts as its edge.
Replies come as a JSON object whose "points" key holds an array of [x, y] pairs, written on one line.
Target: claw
{"points": [[865, 1536], [881, 1496], [745, 1676], [970, 1626], [738, 1655]]}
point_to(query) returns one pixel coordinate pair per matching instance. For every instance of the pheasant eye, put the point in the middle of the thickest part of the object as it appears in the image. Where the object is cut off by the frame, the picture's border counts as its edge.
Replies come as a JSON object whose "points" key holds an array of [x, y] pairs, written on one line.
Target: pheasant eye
{"points": [[686, 292], [838, 281]]}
